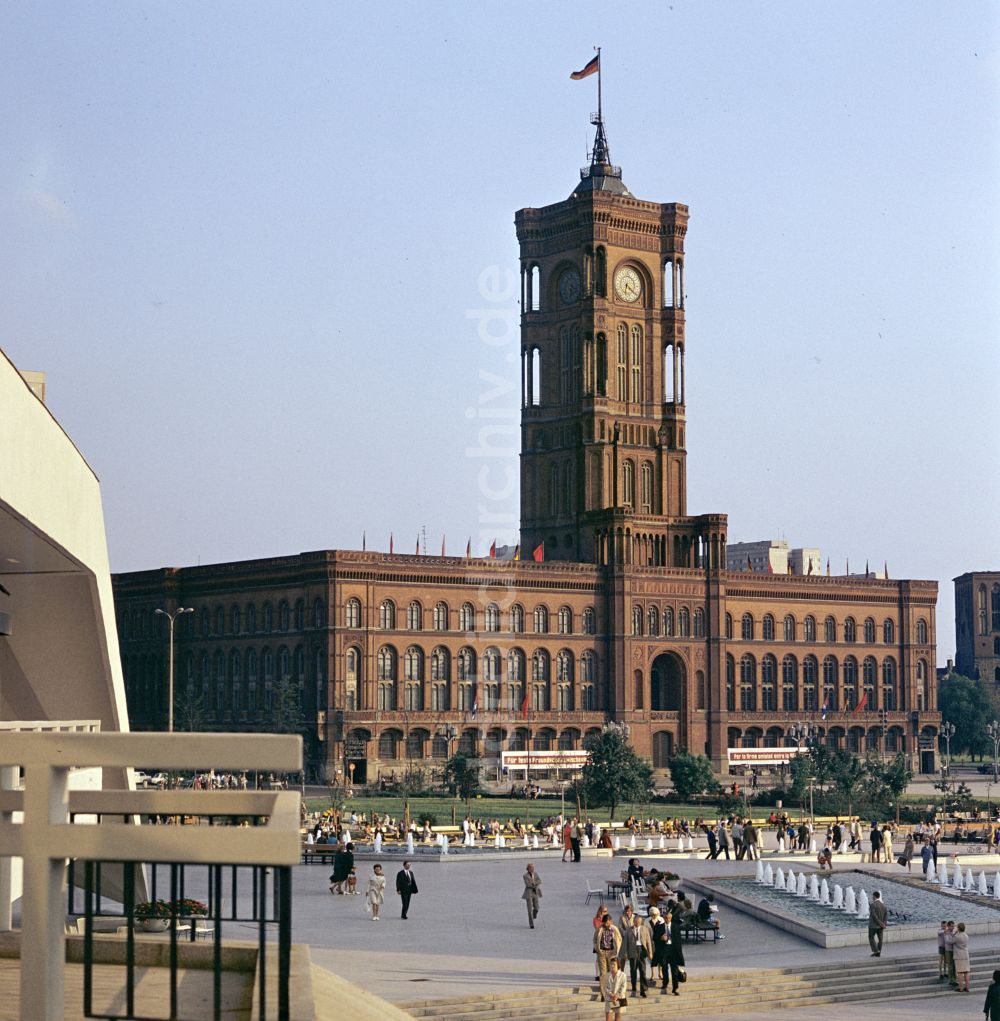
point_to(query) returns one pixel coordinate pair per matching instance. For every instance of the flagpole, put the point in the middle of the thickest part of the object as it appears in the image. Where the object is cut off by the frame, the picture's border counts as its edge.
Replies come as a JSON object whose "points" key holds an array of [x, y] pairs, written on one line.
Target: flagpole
{"points": [[600, 116]]}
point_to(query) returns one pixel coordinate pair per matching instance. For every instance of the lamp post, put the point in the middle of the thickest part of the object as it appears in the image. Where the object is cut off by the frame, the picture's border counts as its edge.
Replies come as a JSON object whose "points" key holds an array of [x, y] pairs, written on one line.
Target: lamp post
{"points": [[171, 618], [948, 732], [993, 729]]}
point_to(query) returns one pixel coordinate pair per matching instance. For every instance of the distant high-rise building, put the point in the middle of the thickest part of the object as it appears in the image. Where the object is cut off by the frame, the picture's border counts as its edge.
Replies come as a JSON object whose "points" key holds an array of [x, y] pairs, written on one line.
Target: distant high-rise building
{"points": [[977, 625]]}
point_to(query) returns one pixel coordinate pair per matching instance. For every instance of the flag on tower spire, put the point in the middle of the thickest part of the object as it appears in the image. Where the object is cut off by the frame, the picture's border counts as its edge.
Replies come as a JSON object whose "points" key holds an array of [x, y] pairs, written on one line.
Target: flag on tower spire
{"points": [[593, 66]]}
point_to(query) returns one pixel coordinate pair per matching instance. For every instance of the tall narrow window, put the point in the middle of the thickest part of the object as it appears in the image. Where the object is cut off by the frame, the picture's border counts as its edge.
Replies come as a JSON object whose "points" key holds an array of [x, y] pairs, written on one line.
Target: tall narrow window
{"points": [[636, 367], [565, 366], [628, 484], [767, 628], [647, 487], [602, 365], [622, 374], [748, 684]]}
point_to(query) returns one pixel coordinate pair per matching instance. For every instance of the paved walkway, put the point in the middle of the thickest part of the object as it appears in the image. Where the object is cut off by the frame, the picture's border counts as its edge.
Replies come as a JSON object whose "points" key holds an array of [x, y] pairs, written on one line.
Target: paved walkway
{"points": [[467, 933]]}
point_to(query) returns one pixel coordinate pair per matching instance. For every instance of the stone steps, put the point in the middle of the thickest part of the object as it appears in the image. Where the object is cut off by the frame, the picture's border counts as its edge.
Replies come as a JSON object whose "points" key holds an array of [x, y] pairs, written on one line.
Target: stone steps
{"points": [[845, 982]]}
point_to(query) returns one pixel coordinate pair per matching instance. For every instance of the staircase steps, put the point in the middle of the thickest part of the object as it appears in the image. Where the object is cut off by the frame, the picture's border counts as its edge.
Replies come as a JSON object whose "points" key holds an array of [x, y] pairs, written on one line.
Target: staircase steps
{"points": [[845, 982]]}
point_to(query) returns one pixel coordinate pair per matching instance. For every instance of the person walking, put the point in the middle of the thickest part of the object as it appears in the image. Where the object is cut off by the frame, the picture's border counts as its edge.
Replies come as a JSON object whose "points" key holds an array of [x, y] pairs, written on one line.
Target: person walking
{"points": [[927, 857], [908, 853], [375, 895], [675, 951], [942, 962], [637, 943], [722, 837], [607, 945], [567, 846], [659, 934], [613, 992], [575, 836], [713, 843], [532, 893], [737, 835], [343, 862], [876, 841], [991, 1008], [960, 953], [750, 840], [878, 919], [406, 886]]}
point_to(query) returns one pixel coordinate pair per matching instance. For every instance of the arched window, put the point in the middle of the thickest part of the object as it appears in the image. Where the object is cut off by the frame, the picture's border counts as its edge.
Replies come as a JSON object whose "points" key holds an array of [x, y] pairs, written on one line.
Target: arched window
{"points": [[684, 622], [352, 613], [869, 631], [220, 620], [413, 696], [830, 682], [850, 683], [628, 483], [589, 621], [768, 675], [234, 620], [830, 630], [440, 664], [810, 680], [668, 622], [466, 665], [588, 677], [440, 617], [491, 666], [700, 692], [414, 616], [517, 619], [921, 632], [541, 620], [467, 617], [388, 744], [284, 664], [565, 621], [653, 621], [888, 631], [767, 628], [809, 629], [636, 620], [491, 619], [869, 678], [923, 692], [788, 628], [352, 679], [267, 664], [995, 606], [439, 696], [283, 616], [515, 665], [564, 667], [235, 662], [729, 626], [251, 619], [622, 374], [850, 630], [413, 664], [699, 623], [730, 683], [387, 615], [387, 663], [646, 487], [889, 685], [790, 684], [540, 679], [300, 615], [746, 627], [748, 683]]}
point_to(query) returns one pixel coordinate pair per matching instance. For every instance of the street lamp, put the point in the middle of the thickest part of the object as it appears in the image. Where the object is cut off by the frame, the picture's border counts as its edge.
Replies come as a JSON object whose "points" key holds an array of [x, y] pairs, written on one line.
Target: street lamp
{"points": [[171, 617], [993, 729], [948, 732]]}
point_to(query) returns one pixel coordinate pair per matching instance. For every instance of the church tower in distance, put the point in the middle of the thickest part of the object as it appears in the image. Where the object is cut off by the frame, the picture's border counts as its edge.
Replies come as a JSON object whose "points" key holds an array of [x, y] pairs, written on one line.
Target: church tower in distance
{"points": [[603, 455]]}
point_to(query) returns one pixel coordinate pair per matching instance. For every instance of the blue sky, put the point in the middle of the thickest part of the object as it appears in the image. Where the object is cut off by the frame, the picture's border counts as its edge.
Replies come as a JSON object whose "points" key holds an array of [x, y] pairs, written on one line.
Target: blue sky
{"points": [[253, 245]]}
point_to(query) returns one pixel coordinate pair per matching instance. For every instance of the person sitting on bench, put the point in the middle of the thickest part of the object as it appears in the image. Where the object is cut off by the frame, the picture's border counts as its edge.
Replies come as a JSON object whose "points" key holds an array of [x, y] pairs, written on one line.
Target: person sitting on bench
{"points": [[707, 909]]}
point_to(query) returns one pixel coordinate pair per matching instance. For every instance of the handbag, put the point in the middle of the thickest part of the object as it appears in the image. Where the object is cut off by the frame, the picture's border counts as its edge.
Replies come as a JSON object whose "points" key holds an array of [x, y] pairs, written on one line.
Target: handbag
{"points": [[622, 1002], [682, 975], [901, 860]]}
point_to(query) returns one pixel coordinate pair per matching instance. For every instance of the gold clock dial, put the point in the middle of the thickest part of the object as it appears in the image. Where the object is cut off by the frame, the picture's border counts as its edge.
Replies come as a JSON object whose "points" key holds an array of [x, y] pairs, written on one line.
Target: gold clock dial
{"points": [[628, 284]]}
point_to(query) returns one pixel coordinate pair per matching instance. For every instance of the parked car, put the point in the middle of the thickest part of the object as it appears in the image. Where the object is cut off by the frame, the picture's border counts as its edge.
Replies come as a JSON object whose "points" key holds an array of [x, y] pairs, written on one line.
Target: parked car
{"points": [[157, 780], [141, 779]]}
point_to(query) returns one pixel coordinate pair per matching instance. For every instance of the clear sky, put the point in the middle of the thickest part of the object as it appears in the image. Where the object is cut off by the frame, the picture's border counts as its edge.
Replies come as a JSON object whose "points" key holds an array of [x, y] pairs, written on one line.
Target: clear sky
{"points": [[257, 248]]}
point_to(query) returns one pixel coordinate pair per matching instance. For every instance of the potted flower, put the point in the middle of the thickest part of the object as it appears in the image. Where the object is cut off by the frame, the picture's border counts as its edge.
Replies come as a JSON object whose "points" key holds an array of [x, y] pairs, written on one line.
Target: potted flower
{"points": [[186, 907], [153, 915]]}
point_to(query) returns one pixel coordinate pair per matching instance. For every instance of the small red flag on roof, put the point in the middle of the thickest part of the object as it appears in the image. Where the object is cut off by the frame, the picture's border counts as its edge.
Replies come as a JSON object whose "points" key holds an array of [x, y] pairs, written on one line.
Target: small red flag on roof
{"points": [[538, 553]]}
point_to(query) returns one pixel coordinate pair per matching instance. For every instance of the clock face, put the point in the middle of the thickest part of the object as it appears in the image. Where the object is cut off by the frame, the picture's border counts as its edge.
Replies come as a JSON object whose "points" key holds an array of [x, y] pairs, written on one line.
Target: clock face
{"points": [[569, 286], [628, 285]]}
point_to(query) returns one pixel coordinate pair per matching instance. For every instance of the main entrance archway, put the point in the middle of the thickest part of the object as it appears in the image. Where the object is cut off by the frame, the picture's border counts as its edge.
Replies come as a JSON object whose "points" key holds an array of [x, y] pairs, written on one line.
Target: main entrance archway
{"points": [[667, 682]]}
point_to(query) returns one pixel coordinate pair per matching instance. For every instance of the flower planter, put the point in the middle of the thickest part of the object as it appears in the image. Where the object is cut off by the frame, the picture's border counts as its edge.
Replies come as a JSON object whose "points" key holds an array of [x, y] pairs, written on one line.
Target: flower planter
{"points": [[154, 924]]}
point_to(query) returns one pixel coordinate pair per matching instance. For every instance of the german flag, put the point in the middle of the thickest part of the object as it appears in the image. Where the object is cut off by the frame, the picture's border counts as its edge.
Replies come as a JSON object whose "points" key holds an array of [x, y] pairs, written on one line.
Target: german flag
{"points": [[592, 67]]}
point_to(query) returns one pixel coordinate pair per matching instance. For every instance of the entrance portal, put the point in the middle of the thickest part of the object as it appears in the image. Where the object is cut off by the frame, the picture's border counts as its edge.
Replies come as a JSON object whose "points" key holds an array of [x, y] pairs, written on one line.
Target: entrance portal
{"points": [[667, 683]]}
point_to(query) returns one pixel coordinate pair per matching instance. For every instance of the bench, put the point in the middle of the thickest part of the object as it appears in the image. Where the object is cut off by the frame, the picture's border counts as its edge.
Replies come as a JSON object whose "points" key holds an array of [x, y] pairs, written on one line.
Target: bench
{"points": [[318, 852], [692, 933]]}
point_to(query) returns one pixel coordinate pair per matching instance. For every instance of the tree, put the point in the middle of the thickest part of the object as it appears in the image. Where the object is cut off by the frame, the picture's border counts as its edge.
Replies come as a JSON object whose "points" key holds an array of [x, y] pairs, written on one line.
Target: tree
{"points": [[848, 773], [190, 712], [461, 777], [887, 781], [970, 705], [614, 772], [691, 775], [286, 715]]}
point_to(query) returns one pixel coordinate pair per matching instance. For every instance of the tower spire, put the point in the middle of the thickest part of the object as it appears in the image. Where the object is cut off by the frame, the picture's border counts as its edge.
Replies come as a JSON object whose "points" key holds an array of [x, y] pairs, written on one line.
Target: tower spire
{"points": [[600, 155], [600, 175]]}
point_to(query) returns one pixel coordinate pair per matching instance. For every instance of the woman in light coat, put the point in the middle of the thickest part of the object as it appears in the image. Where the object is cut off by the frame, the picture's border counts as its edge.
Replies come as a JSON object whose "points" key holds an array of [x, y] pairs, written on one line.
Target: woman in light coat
{"points": [[375, 894], [960, 949], [614, 991]]}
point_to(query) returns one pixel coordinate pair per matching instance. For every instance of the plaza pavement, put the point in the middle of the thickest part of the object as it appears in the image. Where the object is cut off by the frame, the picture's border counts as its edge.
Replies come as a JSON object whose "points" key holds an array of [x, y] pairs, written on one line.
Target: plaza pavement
{"points": [[467, 933]]}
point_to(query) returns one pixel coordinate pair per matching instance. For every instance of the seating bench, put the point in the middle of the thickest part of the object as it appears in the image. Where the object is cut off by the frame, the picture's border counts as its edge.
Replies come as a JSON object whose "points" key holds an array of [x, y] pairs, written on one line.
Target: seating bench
{"points": [[318, 852], [697, 933]]}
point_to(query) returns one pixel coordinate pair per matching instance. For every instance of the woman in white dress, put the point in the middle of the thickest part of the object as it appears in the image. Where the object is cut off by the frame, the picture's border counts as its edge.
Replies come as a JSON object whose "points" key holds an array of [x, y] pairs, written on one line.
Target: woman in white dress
{"points": [[615, 985], [375, 894]]}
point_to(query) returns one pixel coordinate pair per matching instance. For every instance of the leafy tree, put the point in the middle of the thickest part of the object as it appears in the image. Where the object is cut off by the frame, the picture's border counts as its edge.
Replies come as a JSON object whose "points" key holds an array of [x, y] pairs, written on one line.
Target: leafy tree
{"points": [[190, 712], [614, 772], [461, 777], [886, 781], [691, 775], [970, 705], [848, 774], [286, 715]]}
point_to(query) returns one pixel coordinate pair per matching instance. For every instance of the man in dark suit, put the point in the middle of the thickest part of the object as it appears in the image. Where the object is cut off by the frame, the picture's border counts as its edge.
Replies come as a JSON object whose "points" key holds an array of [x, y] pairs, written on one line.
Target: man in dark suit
{"points": [[406, 886]]}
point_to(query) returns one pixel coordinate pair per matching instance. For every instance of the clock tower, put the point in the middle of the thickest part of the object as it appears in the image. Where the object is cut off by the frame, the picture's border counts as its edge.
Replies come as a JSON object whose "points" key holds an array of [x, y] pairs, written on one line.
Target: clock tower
{"points": [[603, 444]]}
